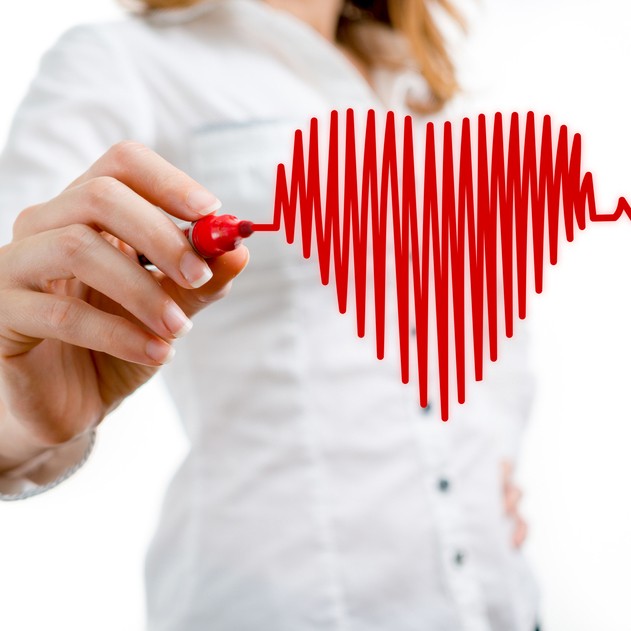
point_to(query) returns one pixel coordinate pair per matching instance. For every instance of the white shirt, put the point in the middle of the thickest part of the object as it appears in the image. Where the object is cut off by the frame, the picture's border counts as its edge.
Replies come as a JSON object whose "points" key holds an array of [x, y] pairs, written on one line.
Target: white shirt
{"points": [[317, 495]]}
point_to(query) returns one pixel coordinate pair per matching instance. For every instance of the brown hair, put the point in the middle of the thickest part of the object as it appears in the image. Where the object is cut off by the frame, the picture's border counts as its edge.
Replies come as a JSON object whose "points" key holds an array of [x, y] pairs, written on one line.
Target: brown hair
{"points": [[414, 19]]}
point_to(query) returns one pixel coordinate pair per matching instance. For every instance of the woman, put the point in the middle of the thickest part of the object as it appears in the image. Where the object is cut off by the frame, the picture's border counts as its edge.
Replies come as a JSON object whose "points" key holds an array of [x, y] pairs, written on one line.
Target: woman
{"points": [[317, 494]]}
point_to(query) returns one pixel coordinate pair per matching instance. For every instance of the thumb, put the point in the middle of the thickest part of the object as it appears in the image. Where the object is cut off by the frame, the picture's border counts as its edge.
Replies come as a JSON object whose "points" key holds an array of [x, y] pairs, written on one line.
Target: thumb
{"points": [[225, 268]]}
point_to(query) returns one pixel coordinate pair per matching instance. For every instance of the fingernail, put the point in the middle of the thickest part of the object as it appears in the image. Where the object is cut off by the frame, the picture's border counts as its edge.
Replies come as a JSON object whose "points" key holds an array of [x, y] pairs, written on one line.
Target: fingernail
{"points": [[195, 270], [159, 351], [203, 202], [176, 320]]}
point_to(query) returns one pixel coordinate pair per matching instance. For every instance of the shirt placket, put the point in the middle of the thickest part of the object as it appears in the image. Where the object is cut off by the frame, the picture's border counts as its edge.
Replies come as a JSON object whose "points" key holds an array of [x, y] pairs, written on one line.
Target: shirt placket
{"points": [[459, 567]]}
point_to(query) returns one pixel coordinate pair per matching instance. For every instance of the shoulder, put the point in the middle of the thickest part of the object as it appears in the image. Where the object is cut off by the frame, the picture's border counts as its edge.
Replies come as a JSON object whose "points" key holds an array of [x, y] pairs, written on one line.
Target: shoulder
{"points": [[100, 38], [160, 25], [107, 54], [141, 40], [88, 49]]}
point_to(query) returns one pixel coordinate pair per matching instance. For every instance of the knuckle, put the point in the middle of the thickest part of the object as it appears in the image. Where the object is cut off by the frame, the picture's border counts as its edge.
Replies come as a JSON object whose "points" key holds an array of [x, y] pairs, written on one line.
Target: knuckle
{"points": [[141, 290], [76, 239], [169, 241], [174, 181], [162, 229], [114, 334], [23, 220], [63, 315], [101, 189], [215, 296], [122, 152]]}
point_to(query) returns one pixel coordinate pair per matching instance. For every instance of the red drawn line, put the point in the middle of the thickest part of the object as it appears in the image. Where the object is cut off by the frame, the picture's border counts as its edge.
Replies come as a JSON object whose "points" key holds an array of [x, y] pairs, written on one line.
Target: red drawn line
{"points": [[482, 197]]}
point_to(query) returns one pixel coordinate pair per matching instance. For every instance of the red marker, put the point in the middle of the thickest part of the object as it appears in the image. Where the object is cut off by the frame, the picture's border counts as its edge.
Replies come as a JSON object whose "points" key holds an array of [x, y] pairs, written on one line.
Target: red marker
{"points": [[214, 235]]}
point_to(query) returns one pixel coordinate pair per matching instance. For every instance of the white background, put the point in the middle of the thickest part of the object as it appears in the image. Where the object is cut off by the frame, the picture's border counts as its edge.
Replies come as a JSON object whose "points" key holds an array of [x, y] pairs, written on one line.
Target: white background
{"points": [[72, 560]]}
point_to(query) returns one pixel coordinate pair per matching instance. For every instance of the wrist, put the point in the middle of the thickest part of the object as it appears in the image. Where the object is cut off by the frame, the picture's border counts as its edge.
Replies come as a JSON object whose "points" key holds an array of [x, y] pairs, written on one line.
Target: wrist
{"points": [[48, 469], [20, 447]]}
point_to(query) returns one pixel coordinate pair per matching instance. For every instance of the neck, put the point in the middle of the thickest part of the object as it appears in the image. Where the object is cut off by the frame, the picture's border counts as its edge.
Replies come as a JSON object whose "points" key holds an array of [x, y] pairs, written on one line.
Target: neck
{"points": [[322, 15]]}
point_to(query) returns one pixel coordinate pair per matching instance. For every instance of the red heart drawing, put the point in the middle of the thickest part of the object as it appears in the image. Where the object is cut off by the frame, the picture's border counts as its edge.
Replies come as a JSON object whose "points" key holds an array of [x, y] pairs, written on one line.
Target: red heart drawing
{"points": [[463, 221]]}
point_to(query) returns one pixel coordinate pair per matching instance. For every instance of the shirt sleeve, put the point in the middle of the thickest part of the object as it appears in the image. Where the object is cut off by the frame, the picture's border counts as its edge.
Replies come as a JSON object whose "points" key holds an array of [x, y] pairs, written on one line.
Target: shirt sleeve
{"points": [[84, 99]]}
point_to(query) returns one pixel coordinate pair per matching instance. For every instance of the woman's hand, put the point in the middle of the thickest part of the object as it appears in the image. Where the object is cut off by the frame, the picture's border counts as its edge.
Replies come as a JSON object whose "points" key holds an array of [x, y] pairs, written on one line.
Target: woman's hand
{"points": [[82, 324]]}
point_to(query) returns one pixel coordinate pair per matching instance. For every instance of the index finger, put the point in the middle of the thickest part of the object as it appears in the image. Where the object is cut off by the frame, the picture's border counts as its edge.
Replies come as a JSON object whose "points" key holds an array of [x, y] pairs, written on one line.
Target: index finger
{"points": [[155, 179]]}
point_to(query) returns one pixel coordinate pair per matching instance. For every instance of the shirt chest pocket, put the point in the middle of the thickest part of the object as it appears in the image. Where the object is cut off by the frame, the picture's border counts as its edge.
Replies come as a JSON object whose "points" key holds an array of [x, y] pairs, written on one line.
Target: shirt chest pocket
{"points": [[238, 162]]}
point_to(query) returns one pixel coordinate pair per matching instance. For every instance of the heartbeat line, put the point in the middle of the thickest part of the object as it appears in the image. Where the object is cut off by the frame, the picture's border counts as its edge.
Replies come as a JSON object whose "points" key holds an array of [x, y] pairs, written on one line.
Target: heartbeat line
{"points": [[485, 207]]}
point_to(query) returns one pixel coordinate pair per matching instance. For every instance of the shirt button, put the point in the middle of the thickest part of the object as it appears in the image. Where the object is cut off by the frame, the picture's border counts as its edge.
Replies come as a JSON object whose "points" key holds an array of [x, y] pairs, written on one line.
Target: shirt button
{"points": [[443, 485], [459, 558], [413, 331], [427, 409]]}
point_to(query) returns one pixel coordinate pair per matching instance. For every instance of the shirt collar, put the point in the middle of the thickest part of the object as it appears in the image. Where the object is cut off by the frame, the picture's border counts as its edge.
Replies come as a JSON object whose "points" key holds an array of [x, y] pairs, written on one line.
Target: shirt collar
{"points": [[300, 46]]}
